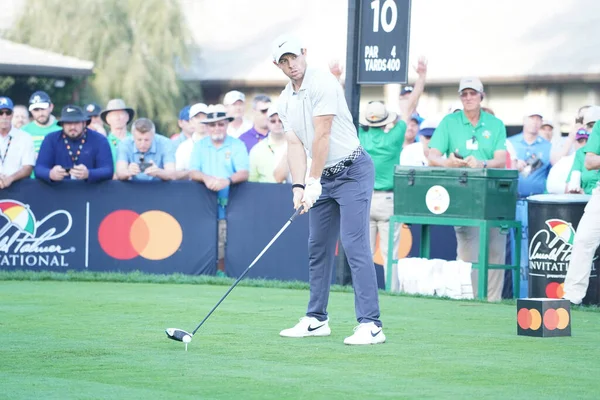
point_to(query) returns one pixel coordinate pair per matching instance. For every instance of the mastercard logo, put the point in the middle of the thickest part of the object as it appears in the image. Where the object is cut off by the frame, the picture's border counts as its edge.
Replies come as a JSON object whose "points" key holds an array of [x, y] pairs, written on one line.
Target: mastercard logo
{"points": [[553, 319], [153, 235], [555, 290]]}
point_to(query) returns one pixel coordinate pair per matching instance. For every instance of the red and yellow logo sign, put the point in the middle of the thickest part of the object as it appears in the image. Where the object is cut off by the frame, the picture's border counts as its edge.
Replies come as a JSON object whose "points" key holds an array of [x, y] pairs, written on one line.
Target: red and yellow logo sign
{"points": [[553, 319], [555, 290], [153, 235]]}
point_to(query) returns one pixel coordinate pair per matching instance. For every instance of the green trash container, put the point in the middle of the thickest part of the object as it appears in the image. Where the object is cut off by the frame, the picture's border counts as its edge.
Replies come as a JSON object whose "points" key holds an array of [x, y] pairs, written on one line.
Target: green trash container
{"points": [[469, 193]]}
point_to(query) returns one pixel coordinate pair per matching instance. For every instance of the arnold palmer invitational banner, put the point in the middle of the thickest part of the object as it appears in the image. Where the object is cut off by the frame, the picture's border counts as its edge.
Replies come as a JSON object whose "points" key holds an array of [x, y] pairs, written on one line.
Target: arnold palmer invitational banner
{"points": [[153, 227]]}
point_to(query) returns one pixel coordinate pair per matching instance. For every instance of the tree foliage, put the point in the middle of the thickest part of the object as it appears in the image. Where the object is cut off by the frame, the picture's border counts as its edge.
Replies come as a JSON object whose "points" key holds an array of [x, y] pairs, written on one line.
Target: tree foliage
{"points": [[134, 44]]}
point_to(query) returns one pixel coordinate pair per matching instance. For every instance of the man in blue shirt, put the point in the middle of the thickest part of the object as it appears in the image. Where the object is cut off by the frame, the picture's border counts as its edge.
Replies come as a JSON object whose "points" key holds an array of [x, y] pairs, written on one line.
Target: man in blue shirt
{"points": [[533, 154], [533, 163], [145, 155], [219, 161], [75, 152]]}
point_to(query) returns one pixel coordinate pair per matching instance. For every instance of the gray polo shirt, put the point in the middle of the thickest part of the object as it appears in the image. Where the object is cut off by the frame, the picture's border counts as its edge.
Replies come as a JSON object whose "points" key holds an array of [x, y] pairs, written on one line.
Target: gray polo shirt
{"points": [[320, 94]]}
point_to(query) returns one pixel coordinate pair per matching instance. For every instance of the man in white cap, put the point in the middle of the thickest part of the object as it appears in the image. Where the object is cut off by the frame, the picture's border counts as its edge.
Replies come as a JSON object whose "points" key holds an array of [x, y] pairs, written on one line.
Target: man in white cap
{"points": [[40, 106], [197, 115], [473, 138], [235, 104], [336, 194]]}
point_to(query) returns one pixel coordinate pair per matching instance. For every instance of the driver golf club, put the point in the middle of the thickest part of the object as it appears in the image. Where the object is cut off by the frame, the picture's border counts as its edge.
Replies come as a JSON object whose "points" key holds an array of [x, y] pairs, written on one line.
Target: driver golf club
{"points": [[183, 336]]}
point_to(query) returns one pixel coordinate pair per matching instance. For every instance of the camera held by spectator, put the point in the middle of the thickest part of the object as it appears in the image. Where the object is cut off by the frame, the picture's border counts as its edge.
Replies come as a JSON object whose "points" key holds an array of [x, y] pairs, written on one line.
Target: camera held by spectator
{"points": [[533, 163]]}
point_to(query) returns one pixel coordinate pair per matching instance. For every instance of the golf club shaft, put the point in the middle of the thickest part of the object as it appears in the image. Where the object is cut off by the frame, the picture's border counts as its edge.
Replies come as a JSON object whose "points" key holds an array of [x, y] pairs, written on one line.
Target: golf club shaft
{"points": [[249, 267]]}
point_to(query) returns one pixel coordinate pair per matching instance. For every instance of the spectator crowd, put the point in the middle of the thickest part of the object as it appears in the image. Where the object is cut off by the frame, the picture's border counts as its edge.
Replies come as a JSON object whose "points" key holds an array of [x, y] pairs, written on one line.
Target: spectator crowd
{"points": [[218, 146]]}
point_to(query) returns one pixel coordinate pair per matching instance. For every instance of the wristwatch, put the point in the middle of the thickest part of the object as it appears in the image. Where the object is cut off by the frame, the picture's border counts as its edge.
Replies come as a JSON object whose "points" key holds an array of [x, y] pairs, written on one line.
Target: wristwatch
{"points": [[484, 164]]}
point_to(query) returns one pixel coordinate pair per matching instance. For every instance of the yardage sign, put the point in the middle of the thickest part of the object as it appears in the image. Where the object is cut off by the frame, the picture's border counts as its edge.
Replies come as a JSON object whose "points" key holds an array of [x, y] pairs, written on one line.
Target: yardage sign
{"points": [[383, 41]]}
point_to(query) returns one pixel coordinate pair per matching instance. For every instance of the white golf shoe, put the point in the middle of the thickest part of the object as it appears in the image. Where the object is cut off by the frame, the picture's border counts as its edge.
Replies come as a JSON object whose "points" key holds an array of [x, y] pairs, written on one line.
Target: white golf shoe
{"points": [[367, 333], [308, 326]]}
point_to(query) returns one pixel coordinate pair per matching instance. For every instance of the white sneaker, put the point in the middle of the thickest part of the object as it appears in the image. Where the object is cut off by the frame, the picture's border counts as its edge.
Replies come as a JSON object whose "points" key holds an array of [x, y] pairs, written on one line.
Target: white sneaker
{"points": [[367, 333], [308, 326]]}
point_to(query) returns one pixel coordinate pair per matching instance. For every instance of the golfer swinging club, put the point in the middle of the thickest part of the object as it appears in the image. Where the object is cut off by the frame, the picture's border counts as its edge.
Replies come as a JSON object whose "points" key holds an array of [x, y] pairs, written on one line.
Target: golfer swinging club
{"points": [[337, 191]]}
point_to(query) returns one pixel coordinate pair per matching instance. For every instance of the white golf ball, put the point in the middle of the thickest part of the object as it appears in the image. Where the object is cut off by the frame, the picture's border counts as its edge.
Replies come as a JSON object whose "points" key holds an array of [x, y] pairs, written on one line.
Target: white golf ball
{"points": [[186, 339]]}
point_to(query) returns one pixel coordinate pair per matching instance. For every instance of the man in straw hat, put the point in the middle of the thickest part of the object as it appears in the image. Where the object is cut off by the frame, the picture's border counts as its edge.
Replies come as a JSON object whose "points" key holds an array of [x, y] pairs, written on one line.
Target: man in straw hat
{"points": [[336, 194], [219, 161], [75, 152], [384, 147], [117, 115]]}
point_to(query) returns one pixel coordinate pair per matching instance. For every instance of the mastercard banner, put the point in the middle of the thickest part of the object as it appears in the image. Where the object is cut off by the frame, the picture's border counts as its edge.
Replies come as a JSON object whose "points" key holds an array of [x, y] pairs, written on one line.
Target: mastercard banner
{"points": [[154, 227]]}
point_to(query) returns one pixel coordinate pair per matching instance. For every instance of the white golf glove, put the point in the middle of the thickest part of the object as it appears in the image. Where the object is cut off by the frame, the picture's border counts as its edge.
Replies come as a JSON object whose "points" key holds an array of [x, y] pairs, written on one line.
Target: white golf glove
{"points": [[312, 191]]}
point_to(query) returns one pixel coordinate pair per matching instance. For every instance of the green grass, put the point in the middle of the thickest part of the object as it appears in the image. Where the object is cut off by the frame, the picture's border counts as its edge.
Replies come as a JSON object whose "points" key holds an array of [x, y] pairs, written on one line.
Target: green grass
{"points": [[93, 336]]}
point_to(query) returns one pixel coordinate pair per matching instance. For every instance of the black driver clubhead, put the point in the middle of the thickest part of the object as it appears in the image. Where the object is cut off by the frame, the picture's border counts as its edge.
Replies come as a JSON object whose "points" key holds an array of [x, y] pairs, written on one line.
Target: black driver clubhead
{"points": [[179, 335]]}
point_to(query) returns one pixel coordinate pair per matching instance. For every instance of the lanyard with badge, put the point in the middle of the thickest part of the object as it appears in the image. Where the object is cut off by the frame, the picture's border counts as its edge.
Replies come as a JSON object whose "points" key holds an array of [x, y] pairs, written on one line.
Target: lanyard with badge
{"points": [[472, 144], [3, 157], [74, 157]]}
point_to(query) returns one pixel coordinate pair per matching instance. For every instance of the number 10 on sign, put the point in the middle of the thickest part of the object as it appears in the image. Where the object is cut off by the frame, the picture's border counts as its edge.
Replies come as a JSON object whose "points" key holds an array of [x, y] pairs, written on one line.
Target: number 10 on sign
{"points": [[386, 14]]}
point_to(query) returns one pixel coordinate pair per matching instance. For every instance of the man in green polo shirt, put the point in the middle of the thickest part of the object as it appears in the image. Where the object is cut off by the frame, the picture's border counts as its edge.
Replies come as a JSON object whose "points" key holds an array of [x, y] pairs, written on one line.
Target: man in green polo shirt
{"points": [[472, 138], [43, 122], [587, 236], [381, 134]]}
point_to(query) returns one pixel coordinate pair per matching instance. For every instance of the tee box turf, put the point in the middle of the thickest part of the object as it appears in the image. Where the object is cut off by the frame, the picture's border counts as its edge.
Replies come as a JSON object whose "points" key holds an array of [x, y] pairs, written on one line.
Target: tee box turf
{"points": [[543, 317]]}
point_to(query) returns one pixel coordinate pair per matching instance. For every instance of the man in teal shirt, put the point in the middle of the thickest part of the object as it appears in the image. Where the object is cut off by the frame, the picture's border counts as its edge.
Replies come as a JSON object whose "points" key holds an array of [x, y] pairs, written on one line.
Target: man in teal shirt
{"points": [[219, 161], [381, 134], [472, 138]]}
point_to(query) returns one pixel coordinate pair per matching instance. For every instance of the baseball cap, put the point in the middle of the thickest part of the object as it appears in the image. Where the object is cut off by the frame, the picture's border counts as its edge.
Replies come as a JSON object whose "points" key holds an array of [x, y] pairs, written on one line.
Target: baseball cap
{"points": [[533, 111], [39, 99], [197, 109], [428, 126], [470, 83], [406, 89], [547, 122], [582, 134], [233, 96], [272, 110], [285, 44], [184, 114], [592, 114], [93, 110], [6, 103]]}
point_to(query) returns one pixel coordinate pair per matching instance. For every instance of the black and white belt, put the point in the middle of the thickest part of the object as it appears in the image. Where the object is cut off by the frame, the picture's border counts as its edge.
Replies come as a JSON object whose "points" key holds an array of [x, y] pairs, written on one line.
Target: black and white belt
{"points": [[343, 164]]}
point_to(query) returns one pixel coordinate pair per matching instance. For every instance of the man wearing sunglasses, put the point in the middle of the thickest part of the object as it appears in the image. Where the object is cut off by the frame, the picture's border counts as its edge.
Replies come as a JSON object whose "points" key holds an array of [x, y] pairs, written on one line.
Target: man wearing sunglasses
{"points": [[17, 154], [473, 138], [259, 131], [219, 161]]}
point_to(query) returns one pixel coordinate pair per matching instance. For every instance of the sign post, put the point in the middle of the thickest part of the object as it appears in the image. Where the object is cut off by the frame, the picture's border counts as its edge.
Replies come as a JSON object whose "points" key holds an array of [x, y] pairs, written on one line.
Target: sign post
{"points": [[384, 36]]}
